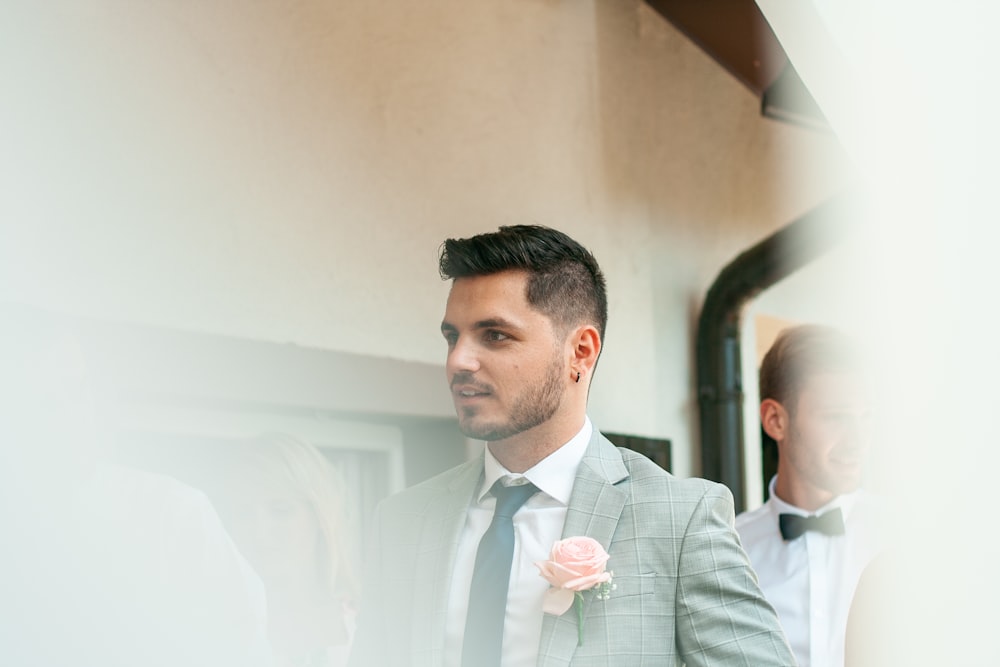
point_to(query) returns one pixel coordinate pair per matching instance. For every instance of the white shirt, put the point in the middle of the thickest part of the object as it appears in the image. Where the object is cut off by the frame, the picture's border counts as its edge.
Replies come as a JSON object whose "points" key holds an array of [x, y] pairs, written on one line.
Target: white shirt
{"points": [[810, 581], [537, 525]]}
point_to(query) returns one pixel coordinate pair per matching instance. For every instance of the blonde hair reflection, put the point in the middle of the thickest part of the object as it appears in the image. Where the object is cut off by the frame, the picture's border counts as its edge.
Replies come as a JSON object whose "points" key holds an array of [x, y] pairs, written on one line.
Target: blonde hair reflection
{"points": [[304, 468]]}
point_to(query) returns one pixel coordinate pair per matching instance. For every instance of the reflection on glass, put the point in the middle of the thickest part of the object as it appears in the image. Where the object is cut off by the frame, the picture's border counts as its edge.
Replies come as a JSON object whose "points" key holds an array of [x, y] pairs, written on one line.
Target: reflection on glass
{"points": [[282, 502]]}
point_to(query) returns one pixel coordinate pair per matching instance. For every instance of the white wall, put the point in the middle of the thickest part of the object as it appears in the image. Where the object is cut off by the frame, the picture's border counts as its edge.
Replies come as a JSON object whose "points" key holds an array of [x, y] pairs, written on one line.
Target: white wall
{"points": [[285, 171]]}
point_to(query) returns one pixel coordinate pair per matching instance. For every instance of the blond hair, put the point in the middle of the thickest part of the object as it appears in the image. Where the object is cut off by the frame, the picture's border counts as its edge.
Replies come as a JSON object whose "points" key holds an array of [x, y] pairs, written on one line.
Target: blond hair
{"points": [[307, 470]]}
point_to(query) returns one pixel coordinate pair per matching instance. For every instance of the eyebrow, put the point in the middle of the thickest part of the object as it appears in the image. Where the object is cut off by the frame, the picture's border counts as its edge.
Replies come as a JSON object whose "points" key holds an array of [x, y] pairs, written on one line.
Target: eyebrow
{"points": [[493, 322]]}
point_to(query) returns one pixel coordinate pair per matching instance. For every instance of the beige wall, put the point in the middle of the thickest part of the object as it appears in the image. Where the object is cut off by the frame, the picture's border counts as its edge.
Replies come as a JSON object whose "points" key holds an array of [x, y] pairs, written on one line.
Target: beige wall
{"points": [[285, 171]]}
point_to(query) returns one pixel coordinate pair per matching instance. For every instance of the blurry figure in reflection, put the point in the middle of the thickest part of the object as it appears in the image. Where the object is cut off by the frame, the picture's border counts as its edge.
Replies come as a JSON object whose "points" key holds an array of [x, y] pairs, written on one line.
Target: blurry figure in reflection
{"points": [[811, 540], [102, 565], [283, 504]]}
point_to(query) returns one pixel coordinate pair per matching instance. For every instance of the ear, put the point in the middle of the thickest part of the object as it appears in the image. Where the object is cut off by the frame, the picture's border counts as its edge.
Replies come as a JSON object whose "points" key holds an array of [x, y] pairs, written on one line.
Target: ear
{"points": [[774, 419], [584, 347]]}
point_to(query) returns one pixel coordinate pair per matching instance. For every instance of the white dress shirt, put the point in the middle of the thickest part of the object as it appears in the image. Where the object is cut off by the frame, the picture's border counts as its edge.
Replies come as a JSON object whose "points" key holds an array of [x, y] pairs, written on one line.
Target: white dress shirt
{"points": [[810, 581], [537, 525]]}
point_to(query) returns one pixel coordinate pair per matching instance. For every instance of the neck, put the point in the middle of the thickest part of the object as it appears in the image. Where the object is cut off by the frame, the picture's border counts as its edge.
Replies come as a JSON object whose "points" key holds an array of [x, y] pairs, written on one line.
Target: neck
{"points": [[523, 451], [801, 495]]}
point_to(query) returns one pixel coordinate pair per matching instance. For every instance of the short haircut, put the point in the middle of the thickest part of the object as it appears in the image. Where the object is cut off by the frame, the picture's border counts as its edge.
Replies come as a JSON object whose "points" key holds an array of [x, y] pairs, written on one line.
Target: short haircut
{"points": [[801, 352], [564, 280]]}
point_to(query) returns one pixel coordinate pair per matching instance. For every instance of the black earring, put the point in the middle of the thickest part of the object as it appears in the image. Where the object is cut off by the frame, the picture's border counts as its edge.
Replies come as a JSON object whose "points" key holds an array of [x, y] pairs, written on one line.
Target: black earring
{"points": [[578, 376]]}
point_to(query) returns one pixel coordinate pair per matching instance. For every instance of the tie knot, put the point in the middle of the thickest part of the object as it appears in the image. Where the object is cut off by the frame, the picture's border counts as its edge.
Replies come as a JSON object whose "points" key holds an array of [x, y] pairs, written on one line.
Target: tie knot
{"points": [[510, 498], [794, 526]]}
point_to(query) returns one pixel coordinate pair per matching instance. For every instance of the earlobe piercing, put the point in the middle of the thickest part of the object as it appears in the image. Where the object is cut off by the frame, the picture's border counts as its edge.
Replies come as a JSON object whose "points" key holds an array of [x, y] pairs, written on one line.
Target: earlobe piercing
{"points": [[578, 376]]}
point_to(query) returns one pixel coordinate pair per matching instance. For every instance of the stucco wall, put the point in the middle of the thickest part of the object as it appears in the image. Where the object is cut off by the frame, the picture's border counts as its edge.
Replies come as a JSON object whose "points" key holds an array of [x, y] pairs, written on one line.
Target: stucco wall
{"points": [[285, 171]]}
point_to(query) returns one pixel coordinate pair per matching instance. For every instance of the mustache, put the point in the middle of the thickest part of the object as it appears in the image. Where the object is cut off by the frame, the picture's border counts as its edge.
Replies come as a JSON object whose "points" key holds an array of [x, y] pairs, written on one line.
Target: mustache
{"points": [[467, 379]]}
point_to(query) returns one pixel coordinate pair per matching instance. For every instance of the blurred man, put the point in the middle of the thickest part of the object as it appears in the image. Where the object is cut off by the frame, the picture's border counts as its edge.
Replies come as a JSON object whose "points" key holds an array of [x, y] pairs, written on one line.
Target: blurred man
{"points": [[811, 540]]}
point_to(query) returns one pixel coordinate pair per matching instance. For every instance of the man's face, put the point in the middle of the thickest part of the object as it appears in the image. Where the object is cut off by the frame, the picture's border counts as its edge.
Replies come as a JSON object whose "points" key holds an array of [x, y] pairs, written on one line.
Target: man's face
{"points": [[506, 366], [828, 433]]}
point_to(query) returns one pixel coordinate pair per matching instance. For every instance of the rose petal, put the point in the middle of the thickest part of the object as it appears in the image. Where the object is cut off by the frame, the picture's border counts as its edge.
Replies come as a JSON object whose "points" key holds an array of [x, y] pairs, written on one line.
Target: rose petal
{"points": [[583, 555], [577, 547], [557, 601], [556, 573], [588, 582], [547, 571]]}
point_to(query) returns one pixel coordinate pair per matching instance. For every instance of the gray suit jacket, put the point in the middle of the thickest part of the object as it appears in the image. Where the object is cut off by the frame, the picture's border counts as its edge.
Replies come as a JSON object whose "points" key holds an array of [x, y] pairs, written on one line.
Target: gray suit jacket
{"points": [[685, 591]]}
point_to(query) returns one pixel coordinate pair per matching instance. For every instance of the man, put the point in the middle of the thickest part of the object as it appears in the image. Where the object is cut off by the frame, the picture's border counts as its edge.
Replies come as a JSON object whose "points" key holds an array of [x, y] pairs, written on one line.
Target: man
{"points": [[811, 540], [524, 324]]}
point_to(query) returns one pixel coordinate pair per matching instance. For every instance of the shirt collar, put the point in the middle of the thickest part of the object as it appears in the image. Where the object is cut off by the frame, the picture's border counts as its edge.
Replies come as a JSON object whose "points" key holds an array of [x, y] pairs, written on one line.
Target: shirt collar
{"points": [[844, 501], [554, 475]]}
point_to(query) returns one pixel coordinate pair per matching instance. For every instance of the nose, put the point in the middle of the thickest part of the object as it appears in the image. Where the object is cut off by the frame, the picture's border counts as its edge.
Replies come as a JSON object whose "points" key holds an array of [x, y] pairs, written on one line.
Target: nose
{"points": [[462, 358]]}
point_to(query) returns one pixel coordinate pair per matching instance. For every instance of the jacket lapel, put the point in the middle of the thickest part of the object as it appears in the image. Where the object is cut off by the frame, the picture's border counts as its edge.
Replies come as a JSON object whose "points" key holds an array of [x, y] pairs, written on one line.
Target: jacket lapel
{"points": [[595, 507], [436, 552]]}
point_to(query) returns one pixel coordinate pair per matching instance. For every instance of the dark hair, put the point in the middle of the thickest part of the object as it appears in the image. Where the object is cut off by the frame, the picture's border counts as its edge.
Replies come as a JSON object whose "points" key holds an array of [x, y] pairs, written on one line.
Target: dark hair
{"points": [[801, 352], [564, 280]]}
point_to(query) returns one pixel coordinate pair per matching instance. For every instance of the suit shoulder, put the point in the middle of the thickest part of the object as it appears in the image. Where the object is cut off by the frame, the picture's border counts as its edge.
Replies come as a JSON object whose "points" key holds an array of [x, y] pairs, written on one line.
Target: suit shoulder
{"points": [[644, 473], [419, 494]]}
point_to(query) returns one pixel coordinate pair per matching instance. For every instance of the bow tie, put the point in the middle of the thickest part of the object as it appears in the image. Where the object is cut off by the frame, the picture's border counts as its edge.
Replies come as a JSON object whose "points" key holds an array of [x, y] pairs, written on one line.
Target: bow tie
{"points": [[794, 526]]}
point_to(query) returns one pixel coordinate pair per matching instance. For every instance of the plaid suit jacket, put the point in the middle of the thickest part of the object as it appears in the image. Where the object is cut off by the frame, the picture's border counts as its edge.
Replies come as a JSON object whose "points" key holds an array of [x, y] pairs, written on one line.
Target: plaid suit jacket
{"points": [[685, 591]]}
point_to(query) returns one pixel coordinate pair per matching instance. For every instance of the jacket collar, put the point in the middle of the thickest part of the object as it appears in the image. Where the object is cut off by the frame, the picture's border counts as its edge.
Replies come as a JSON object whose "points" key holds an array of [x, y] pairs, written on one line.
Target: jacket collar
{"points": [[594, 510]]}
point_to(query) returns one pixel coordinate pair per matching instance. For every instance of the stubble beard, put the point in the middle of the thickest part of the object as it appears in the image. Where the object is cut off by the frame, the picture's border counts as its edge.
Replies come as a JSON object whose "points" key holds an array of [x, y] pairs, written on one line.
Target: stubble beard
{"points": [[821, 475], [535, 406]]}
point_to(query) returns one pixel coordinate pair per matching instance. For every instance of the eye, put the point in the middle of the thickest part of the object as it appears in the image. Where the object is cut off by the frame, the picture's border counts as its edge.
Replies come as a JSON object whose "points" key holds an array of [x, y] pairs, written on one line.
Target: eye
{"points": [[450, 337], [494, 336]]}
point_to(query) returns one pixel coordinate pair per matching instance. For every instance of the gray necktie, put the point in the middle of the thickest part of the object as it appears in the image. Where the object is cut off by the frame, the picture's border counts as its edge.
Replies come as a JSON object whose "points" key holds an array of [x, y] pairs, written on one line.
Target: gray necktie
{"points": [[483, 640]]}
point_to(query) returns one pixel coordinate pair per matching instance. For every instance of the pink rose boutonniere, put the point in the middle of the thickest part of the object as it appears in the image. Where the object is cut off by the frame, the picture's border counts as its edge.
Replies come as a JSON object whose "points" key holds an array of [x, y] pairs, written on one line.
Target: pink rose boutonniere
{"points": [[576, 564]]}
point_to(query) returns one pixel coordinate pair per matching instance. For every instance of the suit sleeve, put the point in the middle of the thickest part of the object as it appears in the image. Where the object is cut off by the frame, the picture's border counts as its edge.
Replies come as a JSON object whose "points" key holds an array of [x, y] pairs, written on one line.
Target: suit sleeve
{"points": [[722, 616]]}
